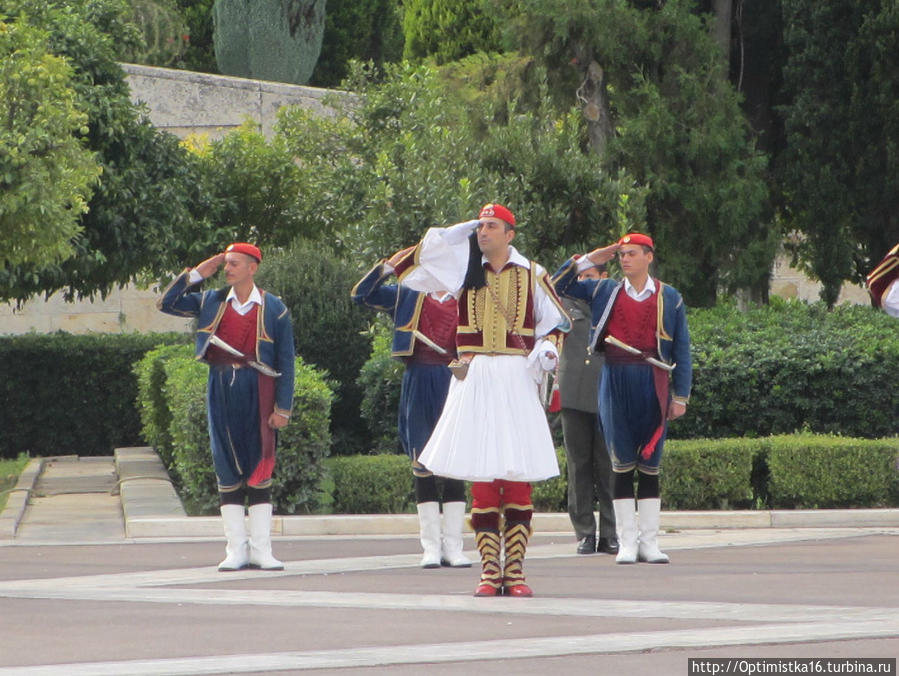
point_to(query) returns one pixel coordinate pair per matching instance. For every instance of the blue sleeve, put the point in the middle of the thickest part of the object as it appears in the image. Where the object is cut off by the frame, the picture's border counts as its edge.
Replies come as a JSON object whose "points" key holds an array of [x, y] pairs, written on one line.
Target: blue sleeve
{"points": [[372, 292], [682, 376], [285, 362], [566, 283], [179, 300]]}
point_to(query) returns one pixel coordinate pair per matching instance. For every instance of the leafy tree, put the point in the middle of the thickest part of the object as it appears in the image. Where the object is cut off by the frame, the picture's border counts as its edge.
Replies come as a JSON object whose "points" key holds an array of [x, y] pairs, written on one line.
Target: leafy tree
{"points": [[840, 171], [410, 155], [46, 173], [150, 211], [256, 184], [365, 30], [276, 40], [655, 76], [163, 31], [199, 53], [447, 29]]}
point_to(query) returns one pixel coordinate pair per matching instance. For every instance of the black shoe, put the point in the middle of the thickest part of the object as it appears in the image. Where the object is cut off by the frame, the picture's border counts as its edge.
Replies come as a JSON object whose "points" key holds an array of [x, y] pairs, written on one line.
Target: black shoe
{"points": [[587, 545], [607, 545]]}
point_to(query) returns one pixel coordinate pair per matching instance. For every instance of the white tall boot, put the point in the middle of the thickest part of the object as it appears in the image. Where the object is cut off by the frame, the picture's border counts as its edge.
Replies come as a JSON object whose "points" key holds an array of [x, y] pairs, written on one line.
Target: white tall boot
{"points": [[261, 538], [237, 555], [648, 516], [453, 520], [626, 529], [429, 531]]}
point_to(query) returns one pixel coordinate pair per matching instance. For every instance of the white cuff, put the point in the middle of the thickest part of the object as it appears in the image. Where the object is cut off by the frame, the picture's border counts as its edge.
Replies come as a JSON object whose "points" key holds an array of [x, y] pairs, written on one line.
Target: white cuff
{"points": [[583, 263], [194, 277]]}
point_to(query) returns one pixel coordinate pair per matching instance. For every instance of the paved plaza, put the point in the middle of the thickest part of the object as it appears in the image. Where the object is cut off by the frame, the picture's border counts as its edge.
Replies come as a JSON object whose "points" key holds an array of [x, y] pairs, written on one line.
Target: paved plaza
{"points": [[79, 596]]}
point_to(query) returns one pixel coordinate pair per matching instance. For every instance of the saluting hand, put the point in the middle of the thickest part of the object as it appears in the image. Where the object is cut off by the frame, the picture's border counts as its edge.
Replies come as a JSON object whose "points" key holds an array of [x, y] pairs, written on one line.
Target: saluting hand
{"points": [[604, 254], [395, 259], [210, 266]]}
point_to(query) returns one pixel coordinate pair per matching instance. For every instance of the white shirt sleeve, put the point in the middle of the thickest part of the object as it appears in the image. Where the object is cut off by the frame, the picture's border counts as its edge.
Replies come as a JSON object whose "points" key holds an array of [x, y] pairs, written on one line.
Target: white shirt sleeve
{"points": [[194, 277], [443, 259], [891, 300]]}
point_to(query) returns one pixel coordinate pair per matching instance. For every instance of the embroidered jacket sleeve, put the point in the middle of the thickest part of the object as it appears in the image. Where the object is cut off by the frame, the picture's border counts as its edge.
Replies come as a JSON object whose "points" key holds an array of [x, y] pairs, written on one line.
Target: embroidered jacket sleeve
{"points": [[284, 359], [566, 283], [881, 283], [682, 376], [180, 299], [372, 292]]}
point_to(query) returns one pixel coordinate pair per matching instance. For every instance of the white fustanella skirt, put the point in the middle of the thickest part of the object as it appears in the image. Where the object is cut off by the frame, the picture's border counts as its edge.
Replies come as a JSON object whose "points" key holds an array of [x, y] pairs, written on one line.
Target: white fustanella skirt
{"points": [[493, 426]]}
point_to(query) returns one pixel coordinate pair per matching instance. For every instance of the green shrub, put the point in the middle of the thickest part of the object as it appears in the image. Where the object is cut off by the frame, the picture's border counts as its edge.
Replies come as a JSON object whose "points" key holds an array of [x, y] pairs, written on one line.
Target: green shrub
{"points": [[818, 472], [301, 445], [155, 415], [372, 484], [74, 394], [552, 495], [380, 380], [304, 443], [709, 473], [792, 366], [782, 472], [328, 328], [185, 394]]}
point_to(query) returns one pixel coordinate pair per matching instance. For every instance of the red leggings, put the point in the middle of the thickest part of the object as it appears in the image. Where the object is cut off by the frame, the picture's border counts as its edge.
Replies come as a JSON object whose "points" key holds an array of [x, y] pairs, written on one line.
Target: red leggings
{"points": [[489, 498]]}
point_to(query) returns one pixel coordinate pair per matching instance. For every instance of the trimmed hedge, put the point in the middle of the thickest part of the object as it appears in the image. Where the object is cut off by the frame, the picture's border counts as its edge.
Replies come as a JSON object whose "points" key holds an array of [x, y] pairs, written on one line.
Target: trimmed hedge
{"points": [[155, 415], [776, 369], [372, 484], [71, 394], [820, 472], [792, 366], [779, 472], [181, 402]]}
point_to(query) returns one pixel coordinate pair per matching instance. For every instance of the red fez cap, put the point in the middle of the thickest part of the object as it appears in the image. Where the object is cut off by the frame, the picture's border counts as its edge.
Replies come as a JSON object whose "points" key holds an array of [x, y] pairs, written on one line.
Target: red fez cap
{"points": [[637, 238], [244, 248], [497, 211]]}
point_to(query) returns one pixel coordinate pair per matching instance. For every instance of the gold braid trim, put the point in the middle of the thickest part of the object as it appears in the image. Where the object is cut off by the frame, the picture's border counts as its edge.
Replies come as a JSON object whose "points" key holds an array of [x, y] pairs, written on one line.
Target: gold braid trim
{"points": [[488, 544], [516, 541]]}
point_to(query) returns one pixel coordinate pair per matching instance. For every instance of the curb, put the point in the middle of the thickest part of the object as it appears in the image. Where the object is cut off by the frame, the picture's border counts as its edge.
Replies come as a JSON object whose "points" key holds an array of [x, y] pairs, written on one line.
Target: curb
{"points": [[152, 509], [170, 521], [18, 498]]}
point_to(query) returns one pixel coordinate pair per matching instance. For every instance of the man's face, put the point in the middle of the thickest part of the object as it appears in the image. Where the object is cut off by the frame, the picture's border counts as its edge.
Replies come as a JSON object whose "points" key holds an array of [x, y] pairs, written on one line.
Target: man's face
{"points": [[239, 268], [634, 260], [493, 236]]}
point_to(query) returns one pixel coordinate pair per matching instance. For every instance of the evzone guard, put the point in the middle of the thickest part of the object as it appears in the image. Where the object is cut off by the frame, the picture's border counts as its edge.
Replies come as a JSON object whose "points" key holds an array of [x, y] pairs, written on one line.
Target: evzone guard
{"points": [[493, 429], [245, 335], [641, 324], [424, 339]]}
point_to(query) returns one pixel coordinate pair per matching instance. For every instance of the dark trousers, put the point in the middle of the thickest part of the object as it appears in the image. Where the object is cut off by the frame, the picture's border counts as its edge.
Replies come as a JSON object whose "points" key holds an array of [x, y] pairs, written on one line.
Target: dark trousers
{"points": [[589, 474]]}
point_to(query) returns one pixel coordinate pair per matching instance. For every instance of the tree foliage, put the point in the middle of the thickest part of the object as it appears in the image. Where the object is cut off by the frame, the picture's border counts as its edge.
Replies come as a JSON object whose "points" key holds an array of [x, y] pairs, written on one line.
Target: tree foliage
{"points": [[840, 170], [364, 30], [678, 129], [409, 155], [447, 30], [277, 40], [163, 31], [46, 173], [256, 184], [151, 210]]}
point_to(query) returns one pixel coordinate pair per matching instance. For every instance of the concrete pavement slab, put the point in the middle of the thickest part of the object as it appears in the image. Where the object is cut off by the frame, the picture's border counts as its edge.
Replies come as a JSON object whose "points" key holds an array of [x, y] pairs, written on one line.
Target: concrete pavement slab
{"points": [[363, 605]]}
